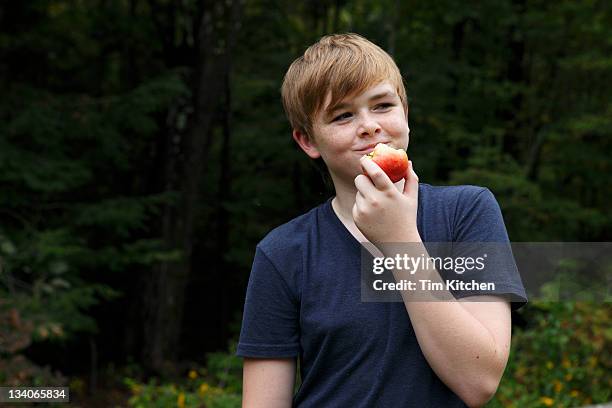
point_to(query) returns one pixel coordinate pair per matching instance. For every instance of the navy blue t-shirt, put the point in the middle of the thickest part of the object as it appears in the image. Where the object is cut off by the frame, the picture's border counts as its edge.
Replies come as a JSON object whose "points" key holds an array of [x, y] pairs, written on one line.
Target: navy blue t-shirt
{"points": [[304, 300]]}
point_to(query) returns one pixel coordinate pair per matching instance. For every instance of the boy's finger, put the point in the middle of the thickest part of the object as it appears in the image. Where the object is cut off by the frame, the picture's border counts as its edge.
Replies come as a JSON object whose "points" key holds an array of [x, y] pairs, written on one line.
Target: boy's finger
{"points": [[411, 186], [360, 200], [364, 185], [376, 174], [360, 204]]}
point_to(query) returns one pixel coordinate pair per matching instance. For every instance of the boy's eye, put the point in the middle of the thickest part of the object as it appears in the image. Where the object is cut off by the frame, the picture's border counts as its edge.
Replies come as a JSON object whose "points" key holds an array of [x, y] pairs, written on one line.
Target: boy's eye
{"points": [[341, 116], [346, 115]]}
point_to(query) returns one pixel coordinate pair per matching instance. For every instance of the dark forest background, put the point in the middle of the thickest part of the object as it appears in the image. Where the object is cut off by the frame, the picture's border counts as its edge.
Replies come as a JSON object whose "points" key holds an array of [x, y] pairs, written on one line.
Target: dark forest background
{"points": [[144, 152]]}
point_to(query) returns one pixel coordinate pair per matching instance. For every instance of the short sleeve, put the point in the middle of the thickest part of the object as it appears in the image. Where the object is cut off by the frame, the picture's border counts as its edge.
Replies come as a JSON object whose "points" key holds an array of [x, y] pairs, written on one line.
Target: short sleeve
{"points": [[270, 322], [480, 234]]}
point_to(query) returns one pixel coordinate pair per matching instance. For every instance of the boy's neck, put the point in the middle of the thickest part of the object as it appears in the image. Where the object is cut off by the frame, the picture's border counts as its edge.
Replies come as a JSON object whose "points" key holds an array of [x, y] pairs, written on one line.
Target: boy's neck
{"points": [[343, 207], [345, 199]]}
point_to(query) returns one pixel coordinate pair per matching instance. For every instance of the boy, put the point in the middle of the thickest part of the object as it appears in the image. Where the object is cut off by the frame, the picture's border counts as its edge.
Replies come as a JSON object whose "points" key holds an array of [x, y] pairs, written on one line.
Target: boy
{"points": [[342, 97]]}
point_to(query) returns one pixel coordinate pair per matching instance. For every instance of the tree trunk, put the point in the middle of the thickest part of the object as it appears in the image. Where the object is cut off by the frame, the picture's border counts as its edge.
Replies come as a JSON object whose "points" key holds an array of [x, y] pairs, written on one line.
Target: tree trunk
{"points": [[533, 162], [516, 128], [336, 16], [391, 26], [223, 222], [165, 289]]}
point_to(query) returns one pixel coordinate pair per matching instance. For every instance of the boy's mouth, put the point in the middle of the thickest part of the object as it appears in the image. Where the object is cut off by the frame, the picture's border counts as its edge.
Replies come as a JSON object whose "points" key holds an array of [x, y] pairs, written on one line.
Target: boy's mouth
{"points": [[369, 148]]}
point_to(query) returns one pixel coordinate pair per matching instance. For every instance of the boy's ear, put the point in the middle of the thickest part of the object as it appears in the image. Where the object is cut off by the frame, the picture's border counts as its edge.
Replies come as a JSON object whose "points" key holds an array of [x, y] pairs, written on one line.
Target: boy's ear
{"points": [[307, 144]]}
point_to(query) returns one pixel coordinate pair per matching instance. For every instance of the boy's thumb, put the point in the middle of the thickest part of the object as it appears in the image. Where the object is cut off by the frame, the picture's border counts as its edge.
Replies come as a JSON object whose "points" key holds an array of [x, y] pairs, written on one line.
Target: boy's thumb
{"points": [[411, 185]]}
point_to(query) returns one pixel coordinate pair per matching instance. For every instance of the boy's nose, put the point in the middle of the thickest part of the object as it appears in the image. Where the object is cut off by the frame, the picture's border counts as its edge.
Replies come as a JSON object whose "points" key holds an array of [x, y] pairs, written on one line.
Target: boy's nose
{"points": [[369, 128]]}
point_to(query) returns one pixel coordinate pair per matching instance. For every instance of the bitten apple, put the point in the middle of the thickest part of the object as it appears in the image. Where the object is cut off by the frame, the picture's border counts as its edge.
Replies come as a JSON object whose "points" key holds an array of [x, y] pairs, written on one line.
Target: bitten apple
{"points": [[394, 162]]}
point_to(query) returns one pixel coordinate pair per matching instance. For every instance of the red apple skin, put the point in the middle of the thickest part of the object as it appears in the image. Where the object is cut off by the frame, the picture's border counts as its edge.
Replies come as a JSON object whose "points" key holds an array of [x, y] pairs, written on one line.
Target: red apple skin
{"points": [[394, 162]]}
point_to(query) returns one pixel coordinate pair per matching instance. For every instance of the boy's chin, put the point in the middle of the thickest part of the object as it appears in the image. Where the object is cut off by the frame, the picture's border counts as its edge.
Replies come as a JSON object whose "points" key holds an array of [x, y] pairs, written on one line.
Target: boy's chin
{"points": [[346, 177]]}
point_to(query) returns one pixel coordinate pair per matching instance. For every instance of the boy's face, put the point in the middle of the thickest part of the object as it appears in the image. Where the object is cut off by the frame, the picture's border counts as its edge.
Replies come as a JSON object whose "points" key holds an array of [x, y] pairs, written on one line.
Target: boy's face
{"points": [[342, 136]]}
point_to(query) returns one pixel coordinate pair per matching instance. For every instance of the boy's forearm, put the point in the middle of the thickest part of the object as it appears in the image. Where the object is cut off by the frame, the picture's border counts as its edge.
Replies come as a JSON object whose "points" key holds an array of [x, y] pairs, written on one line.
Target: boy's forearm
{"points": [[459, 348]]}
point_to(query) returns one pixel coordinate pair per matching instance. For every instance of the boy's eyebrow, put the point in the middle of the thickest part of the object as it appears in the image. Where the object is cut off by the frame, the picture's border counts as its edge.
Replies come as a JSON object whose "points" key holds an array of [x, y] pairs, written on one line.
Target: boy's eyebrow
{"points": [[339, 106]]}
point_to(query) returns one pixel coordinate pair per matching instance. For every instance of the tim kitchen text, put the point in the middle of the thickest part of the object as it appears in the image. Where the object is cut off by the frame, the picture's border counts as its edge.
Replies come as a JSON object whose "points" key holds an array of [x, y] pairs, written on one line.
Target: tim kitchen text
{"points": [[426, 284]]}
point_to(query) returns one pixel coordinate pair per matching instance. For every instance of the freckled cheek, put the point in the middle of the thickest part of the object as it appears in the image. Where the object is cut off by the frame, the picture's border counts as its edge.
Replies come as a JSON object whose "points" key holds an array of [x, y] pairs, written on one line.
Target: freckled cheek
{"points": [[397, 126], [397, 130], [339, 142]]}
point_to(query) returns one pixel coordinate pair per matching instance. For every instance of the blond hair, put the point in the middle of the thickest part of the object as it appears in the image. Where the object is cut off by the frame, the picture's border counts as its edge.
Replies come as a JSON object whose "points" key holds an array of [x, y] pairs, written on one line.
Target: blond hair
{"points": [[343, 64]]}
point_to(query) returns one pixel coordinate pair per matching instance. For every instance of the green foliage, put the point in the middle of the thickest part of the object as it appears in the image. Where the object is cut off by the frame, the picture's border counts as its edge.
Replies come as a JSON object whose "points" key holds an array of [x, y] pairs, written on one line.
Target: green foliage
{"points": [[75, 207], [190, 395], [562, 359], [218, 385], [39, 282]]}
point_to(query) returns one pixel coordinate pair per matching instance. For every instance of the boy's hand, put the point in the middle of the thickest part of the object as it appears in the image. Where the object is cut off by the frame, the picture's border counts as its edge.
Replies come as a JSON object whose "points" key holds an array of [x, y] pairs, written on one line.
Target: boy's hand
{"points": [[381, 212]]}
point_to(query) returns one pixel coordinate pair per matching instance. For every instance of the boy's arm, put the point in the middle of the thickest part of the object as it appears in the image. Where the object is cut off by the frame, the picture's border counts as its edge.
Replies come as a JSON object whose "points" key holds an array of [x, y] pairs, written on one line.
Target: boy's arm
{"points": [[268, 383], [466, 343]]}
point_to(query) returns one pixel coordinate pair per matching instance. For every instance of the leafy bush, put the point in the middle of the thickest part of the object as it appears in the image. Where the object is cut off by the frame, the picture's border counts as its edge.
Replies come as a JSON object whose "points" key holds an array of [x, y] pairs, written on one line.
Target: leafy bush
{"points": [[38, 303], [218, 385], [560, 360]]}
